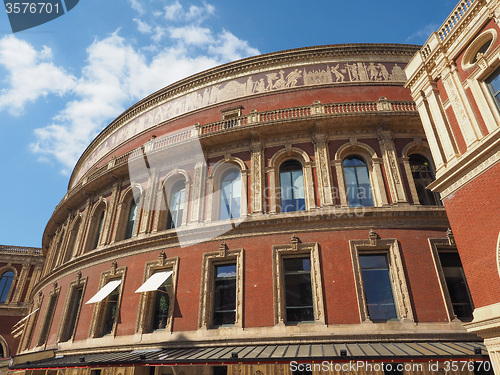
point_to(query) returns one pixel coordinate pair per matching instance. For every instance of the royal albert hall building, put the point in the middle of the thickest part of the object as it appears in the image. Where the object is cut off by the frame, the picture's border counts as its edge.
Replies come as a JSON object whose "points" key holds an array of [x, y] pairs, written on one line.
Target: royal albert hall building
{"points": [[267, 216]]}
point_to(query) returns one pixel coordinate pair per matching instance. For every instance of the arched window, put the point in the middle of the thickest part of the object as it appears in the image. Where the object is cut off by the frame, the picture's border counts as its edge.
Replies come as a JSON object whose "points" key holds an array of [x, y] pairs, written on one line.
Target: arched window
{"points": [[132, 219], [70, 249], [292, 187], [422, 176], [98, 231], [357, 182], [230, 195], [176, 205], [5, 284]]}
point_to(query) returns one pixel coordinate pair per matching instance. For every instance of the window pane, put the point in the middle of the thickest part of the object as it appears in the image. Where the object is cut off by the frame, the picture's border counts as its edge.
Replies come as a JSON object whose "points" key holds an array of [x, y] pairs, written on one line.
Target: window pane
{"points": [[5, 283], [225, 294], [357, 180], [230, 195], [377, 286], [132, 216], [176, 203], [298, 289], [111, 304], [456, 284], [422, 177], [292, 187]]}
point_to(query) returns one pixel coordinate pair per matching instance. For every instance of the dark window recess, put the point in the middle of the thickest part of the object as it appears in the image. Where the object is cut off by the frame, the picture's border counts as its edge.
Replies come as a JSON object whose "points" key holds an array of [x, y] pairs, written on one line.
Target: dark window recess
{"points": [[224, 295], [74, 309], [132, 219], [298, 290], [51, 307], [176, 205], [95, 372], [292, 187], [378, 287], [422, 177], [98, 231], [220, 370], [493, 83], [481, 50], [5, 284], [357, 182], [456, 284], [111, 311], [161, 306]]}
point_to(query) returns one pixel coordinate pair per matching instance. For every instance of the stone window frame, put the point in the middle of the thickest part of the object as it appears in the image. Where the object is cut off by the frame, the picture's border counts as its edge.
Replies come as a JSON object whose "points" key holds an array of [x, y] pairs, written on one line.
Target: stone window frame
{"points": [[421, 148], [488, 108], [147, 299], [94, 223], [210, 260], [48, 317], [4, 269], [73, 286], [213, 198], [473, 48], [389, 246], [71, 248], [436, 245], [31, 324], [162, 195], [296, 249], [373, 163], [123, 211], [273, 170], [4, 346], [100, 307]]}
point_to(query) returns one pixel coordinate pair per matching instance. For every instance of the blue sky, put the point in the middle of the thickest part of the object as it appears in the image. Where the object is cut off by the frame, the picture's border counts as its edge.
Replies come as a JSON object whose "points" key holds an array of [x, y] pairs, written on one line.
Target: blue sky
{"points": [[64, 81]]}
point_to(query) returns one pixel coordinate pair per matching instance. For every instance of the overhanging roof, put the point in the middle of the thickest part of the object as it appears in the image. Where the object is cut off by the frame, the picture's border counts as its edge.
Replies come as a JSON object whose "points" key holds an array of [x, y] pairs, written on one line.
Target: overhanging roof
{"points": [[283, 353]]}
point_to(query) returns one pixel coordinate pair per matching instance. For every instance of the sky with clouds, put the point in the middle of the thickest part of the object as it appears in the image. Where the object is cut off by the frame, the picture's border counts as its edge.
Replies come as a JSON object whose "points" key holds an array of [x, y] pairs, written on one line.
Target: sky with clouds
{"points": [[62, 82]]}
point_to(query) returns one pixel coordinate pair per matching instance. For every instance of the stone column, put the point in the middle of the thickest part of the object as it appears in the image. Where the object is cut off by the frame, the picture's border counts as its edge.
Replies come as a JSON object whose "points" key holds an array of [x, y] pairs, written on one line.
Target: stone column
{"points": [[409, 176], [21, 283], [341, 181], [323, 170], [390, 158], [146, 209], [198, 200], [257, 178], [378, 180]]}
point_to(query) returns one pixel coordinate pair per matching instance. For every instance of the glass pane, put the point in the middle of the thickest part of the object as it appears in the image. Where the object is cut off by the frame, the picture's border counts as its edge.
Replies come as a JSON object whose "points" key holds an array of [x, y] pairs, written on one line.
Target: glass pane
{"points": [[298, 290], [377, 286], [495, 81], [230, 195], [353, 161], [5, 283], [225, 294], [292, 187], [298, 185], [226, 271], [286, 186]]}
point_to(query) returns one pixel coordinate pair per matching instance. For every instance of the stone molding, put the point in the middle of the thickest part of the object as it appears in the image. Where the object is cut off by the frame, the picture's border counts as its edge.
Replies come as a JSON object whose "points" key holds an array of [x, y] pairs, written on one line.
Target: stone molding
{"points": [[396, 272], [146, 304], [100, 307], [210, 260], [294, 249], [68, 305]]}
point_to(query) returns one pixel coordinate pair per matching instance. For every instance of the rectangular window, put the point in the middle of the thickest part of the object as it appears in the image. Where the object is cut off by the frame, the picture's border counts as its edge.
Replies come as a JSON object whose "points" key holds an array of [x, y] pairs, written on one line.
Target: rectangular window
{"points": [[73, 312], [224, 295], [377, 287], [110, 311], [456, 284], [298, 290], [47, 321], [493, 83]]}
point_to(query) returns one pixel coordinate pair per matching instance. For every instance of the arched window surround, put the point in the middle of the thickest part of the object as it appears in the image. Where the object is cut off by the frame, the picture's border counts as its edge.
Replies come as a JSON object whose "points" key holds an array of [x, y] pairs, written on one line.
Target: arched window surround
{"points": [[215, 180], [127, 197], [72, 245], [5, 348], [421, 149], [14, 281], [165, 190], [373, 163], [280, 157], [99, 207]]}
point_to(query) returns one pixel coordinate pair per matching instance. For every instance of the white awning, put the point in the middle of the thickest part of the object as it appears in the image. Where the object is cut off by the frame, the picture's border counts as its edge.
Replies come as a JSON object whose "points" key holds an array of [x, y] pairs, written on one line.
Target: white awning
{"points": [[105, 291], [27, 316], [154, 282]]}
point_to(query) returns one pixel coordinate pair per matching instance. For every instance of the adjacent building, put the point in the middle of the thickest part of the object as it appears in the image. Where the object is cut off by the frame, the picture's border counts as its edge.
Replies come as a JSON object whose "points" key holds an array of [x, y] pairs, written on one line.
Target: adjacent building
{"points": [[455, 82]]}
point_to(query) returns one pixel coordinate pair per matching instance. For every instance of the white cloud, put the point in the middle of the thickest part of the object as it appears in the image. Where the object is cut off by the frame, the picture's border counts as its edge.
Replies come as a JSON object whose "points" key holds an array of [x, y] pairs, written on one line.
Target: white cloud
{"points": [[420, 36], [118, 72], [143, 27], [192, 34], [173, 11], [30, 75]]}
